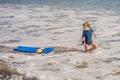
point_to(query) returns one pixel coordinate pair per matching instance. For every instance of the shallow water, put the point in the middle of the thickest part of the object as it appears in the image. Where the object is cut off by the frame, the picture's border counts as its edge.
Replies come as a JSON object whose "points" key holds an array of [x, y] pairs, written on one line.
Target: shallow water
{"points": [[60, 27], [51, 26]]}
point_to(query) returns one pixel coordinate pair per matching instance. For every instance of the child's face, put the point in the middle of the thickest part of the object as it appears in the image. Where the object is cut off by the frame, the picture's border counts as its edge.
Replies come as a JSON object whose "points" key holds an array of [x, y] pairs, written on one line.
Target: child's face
{"points": [[85, 27]]}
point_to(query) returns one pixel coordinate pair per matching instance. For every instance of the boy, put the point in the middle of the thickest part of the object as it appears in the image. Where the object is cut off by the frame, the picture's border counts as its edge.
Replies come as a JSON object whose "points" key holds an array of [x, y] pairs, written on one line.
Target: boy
{"points": [[87, 37]]}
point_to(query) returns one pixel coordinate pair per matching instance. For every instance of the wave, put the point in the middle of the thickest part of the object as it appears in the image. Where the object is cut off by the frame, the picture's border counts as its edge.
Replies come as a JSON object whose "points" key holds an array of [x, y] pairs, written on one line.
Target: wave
{"points": [[86, 4]]}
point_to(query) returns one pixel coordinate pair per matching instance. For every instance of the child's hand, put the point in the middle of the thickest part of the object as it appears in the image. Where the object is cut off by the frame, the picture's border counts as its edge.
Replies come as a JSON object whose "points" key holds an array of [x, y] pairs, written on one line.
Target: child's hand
{"points": [[83, 42], [95, 35]]}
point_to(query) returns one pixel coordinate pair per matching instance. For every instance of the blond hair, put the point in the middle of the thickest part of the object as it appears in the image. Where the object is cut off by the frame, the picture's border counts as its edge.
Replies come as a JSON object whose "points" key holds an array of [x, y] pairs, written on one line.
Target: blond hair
{"points": [[86, 23]]}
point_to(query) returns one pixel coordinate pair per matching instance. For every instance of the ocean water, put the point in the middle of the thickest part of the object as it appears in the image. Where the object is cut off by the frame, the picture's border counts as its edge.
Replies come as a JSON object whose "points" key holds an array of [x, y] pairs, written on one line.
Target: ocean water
{"points": [[85, 4], [54, 25], [58, 23]]}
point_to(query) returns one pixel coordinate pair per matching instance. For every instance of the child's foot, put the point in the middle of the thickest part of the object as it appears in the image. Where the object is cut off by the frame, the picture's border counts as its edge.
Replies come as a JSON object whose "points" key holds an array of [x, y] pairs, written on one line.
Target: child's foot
{"points": [[86, 51], [92, 50]]}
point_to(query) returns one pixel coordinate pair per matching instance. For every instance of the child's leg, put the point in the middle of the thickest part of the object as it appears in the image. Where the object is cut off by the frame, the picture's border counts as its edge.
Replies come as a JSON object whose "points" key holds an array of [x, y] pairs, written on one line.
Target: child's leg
{"points": [[94, 46], [86, 47]]}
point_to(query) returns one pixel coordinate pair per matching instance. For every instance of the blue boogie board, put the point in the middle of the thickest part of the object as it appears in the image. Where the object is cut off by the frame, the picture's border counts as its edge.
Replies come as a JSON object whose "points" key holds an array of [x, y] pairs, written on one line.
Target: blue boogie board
{"points": [[33, 49], [47, 50]]}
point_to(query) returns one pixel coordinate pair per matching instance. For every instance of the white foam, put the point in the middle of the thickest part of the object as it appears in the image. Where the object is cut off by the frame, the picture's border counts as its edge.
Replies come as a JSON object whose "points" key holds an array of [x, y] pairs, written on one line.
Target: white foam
{"points": [[53, 26]]}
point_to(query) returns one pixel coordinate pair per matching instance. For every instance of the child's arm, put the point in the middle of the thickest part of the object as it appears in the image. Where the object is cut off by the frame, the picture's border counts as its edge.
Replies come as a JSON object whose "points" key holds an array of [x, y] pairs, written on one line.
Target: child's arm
{"points": [[83, 37], [83, 40], [94, 34]]}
